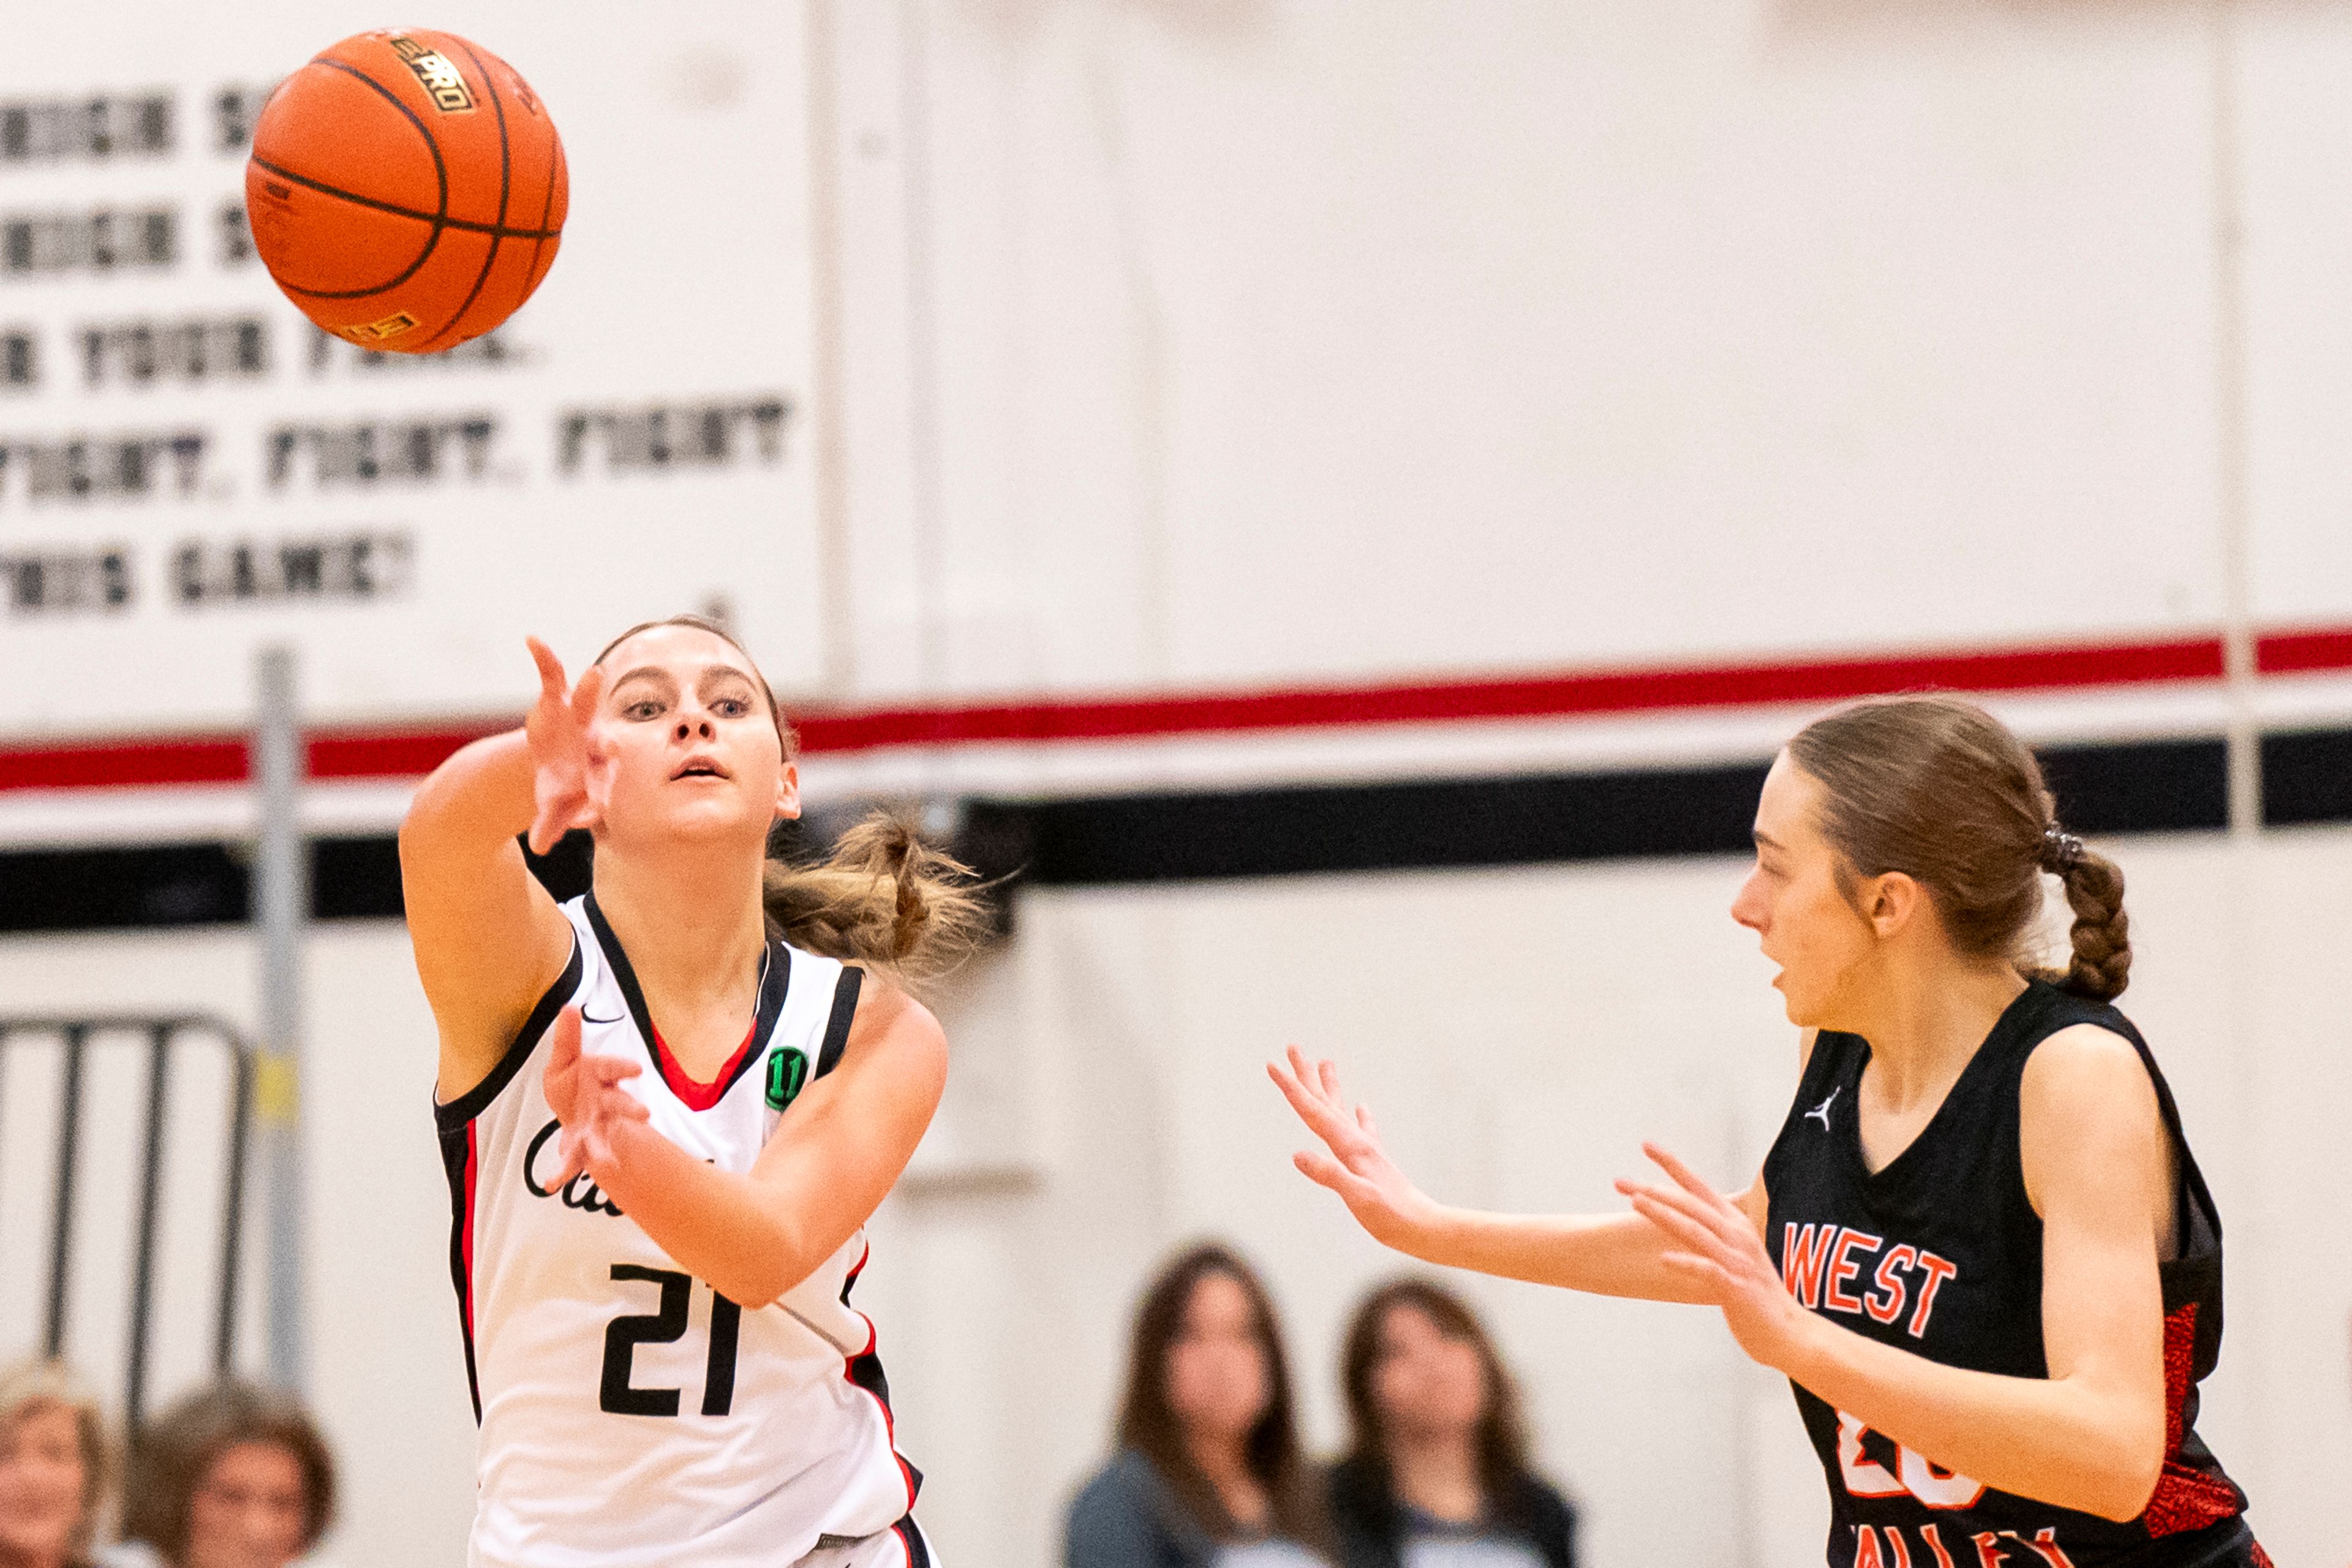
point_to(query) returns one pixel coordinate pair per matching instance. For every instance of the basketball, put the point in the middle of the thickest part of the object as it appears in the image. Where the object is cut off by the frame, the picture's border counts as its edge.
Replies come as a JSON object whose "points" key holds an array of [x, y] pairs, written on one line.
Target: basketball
{"points": [[406, 190]]}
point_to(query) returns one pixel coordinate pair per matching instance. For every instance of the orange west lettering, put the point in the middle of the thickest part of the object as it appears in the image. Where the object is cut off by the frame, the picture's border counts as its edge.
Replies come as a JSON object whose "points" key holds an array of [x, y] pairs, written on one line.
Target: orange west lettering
{"points": [[1803, 1255]]}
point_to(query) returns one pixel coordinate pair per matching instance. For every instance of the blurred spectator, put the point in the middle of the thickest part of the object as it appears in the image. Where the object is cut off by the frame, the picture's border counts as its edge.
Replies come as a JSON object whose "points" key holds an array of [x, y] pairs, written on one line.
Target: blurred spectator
{"points": [[228, 1476], [1208, 1470], [1437, 1474], [52, 1465]]}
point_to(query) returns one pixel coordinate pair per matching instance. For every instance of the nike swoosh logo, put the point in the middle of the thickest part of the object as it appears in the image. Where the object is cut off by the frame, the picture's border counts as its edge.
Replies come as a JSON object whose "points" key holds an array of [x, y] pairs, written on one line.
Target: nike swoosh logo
{"points": [[588, 1017]]}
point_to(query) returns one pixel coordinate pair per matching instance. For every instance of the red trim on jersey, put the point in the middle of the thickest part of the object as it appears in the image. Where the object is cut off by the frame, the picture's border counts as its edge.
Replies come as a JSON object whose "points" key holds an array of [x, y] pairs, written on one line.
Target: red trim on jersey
{"points": [[889, 1428], [849, 1374], [2184, 1498], [701, 1096]]}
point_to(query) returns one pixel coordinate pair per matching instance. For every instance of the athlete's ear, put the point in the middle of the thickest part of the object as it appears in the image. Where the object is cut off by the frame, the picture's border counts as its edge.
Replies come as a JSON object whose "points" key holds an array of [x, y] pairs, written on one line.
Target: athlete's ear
{"points": [[1893, 902], [788, 790]]}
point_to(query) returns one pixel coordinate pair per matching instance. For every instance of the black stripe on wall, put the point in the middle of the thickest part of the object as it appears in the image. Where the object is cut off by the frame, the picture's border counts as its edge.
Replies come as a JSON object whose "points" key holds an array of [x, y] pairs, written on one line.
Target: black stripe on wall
{"points": [[2148, 786], [2139, 787]]}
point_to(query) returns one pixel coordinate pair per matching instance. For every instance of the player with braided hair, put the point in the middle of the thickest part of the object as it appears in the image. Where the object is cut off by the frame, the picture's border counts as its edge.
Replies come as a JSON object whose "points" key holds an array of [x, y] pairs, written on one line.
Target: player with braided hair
{"points": [[668, 1109], [1979, 1246]]}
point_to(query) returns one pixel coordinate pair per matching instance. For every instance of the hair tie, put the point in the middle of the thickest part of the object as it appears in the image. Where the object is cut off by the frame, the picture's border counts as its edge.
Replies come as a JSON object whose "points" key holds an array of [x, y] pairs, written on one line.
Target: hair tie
{"points": [[2061, 850]]}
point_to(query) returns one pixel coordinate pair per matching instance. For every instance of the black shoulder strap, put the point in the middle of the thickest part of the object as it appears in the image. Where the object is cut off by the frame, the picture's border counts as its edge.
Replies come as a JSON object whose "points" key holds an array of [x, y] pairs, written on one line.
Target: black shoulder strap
{"points": [[844, 1013]]}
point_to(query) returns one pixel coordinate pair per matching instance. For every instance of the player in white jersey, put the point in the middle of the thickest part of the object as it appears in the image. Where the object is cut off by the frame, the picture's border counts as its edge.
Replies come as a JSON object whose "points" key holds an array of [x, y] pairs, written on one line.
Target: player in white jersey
{"points": [[666, 1110]]}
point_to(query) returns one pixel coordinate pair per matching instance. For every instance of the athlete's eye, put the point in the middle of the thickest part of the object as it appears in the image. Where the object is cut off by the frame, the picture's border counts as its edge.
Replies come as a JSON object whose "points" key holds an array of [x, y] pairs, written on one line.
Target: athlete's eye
{"points": [[642, 708], [731, 707]]}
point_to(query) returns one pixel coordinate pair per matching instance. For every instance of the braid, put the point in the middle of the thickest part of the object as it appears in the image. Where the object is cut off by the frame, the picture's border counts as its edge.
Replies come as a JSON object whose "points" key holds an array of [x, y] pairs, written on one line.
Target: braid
{"points": [[883, 898], [2100, 966]]}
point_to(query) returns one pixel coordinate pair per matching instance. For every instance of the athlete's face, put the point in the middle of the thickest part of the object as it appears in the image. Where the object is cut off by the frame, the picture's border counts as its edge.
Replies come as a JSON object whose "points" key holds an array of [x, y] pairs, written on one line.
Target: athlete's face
{"points": [[1218, 1382], [693, 748], [41, 1481], [249, 1511], [1793, 900], [1428, 1383]]}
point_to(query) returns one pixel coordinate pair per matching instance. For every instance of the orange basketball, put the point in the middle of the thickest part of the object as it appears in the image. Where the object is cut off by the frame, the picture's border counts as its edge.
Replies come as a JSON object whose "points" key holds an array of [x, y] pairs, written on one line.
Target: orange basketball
{"points": [[407, 189]]}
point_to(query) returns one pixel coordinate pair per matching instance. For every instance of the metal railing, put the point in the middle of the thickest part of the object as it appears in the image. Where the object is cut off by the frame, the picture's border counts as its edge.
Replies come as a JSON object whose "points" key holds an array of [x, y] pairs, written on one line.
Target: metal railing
{"points": [[164, 1033]]}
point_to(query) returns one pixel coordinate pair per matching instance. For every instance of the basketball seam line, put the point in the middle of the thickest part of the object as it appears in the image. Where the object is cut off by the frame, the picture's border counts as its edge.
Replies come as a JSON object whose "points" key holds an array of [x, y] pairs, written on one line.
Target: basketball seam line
{"points": [[506, 193], [463, 224], [440, 175]]}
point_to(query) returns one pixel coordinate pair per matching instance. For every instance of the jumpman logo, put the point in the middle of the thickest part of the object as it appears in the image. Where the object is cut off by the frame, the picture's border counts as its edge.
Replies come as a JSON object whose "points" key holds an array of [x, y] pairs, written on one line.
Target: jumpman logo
{"points": [[1823, 1109]]}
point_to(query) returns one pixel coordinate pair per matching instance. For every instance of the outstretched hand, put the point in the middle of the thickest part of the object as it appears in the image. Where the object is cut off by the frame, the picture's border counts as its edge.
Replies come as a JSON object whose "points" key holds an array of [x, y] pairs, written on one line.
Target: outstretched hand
{"points": [[1352, 1161], [567, 774], [585, 1093], [1718, 1250]]}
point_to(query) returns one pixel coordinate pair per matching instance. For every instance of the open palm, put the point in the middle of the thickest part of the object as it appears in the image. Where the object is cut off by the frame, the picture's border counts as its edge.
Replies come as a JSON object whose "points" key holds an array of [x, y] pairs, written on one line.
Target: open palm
{"points": [[1352, 1161], [1714, 1246], [585, 1093]]}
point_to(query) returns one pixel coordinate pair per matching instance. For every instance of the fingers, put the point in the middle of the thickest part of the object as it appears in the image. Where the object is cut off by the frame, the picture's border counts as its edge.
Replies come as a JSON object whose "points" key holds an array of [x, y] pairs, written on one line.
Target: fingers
{"points": [[1684, 1177], [1325, 1172], [595, 1104], [551, 683], [1320, 1168], [1707, 1274], [567, 1150], [579, 1083], [1304, 1071], [1320, 1117], [563, 1041], [610, 1071], [587, 694], [1693, 1235], [1692, 1209], [562, 1063]]}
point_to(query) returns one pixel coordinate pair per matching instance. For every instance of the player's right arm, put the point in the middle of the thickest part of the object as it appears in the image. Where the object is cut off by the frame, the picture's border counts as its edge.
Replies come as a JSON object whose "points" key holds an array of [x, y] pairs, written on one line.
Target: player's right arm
{"points": [[1608, 1254], [488, 939]]}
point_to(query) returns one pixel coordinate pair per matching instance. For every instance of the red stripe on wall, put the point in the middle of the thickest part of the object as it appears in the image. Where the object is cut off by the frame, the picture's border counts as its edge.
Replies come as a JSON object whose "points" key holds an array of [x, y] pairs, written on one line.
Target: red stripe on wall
{"points": [[2290, 653], [181, 760], [397, 753], [1557, 696]]}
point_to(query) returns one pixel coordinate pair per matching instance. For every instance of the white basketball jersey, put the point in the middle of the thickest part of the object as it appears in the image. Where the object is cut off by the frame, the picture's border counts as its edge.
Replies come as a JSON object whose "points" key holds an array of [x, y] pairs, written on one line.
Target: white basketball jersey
{"points": [[630, 1416]]}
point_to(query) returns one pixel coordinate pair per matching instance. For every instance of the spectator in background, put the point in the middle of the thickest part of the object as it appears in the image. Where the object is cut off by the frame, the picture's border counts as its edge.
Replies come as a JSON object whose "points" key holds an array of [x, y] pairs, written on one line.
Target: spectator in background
{"points": [[1437, 1472], [229, 1477], [1208, 1472], [52, 1465]]}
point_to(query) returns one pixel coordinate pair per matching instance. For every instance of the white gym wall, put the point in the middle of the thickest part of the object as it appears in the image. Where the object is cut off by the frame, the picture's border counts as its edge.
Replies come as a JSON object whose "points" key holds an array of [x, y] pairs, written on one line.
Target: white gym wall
{"points": [[1184, 344]]}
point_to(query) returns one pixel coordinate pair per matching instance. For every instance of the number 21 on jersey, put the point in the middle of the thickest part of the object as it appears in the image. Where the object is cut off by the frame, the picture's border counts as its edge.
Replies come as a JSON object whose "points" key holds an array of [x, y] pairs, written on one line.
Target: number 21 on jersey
{"points": [[618, 1396], [1865, 1477]]}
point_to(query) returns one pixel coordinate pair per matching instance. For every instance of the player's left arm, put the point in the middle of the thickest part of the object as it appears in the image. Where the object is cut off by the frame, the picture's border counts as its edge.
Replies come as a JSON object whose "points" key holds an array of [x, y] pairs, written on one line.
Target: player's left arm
{"points": [[2090, 1434], [833, 1158]]}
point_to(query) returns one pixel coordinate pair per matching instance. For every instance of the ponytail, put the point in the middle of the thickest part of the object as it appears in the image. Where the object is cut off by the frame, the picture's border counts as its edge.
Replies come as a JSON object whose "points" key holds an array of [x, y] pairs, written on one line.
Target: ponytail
{"points": [[2099, 966], [883, 898]]}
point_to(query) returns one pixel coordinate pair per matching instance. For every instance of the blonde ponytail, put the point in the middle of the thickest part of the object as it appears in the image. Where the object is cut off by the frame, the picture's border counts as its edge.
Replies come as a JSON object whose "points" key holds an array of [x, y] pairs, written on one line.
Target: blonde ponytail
{"points": [[883, 898]]}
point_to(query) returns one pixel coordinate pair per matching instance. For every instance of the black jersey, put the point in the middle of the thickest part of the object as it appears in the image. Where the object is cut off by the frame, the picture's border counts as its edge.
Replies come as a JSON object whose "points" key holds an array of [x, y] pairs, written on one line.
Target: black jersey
{"points": [[1940, 1253]]}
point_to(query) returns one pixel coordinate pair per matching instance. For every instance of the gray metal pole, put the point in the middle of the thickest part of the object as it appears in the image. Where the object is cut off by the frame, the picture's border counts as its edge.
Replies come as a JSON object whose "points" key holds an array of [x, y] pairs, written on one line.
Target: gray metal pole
{"points": [[280, 908], [2243, 728]]}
